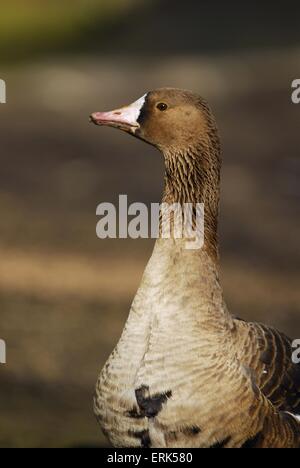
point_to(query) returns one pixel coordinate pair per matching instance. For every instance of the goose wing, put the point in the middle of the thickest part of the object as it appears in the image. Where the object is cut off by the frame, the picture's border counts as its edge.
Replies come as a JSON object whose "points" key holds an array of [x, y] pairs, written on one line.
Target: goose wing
{"points": [[269, 354]]}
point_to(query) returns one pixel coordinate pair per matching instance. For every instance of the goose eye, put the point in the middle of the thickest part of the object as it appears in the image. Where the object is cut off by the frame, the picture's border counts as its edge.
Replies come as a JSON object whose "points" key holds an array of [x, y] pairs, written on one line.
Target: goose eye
{"points": [[162, 106]]}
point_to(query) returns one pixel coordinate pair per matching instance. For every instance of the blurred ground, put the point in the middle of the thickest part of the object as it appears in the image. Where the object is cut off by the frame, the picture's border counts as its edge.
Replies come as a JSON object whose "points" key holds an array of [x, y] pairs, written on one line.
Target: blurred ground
{"points": [[64, 294]]}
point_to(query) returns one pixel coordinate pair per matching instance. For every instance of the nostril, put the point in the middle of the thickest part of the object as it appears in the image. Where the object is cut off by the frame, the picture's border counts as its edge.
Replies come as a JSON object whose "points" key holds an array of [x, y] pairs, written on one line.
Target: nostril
{"points": [[117, 113]]}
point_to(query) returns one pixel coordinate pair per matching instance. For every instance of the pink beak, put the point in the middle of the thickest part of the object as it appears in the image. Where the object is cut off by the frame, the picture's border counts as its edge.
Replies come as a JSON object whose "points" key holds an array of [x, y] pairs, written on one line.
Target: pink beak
{"points": [[125, 118]]}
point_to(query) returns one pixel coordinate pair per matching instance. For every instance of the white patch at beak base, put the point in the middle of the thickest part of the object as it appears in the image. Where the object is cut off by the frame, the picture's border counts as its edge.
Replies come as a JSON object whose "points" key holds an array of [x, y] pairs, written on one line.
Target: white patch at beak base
{"points": [[133, 112]]}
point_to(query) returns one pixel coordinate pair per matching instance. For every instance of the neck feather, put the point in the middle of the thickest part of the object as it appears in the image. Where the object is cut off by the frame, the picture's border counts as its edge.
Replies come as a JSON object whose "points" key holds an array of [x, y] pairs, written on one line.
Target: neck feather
{"points": [[193, 176]]}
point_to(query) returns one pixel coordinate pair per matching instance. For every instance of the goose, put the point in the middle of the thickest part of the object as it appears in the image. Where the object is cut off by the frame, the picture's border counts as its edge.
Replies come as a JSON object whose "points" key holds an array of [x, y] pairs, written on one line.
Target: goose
{"points": [[186, 373]]}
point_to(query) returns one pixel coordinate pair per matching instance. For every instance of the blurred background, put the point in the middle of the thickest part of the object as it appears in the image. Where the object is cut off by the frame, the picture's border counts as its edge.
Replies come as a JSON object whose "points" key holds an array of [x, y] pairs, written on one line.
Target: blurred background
{"points": [[64, 294]]}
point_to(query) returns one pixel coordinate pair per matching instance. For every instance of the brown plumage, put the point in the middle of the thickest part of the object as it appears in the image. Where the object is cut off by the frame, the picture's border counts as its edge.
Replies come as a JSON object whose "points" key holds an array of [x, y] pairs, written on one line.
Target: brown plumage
{"points": [[185, 372]]}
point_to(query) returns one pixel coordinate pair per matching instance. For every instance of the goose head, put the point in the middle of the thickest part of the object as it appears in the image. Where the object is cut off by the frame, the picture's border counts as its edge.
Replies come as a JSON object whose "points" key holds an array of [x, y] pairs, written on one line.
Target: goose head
{"points": [[169, 119], [181, 125]]}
